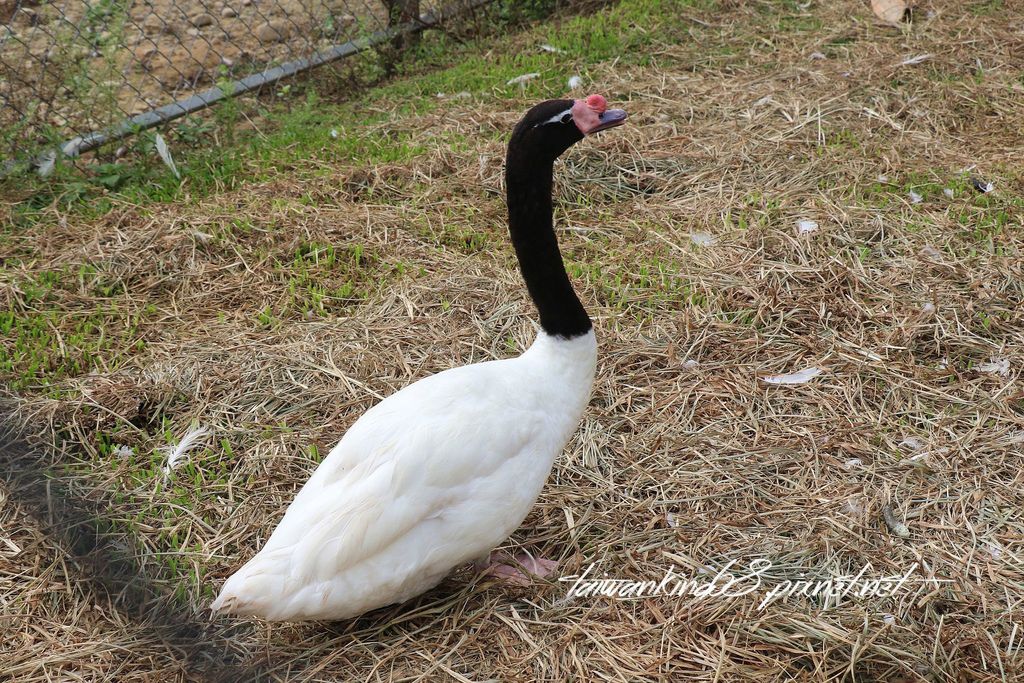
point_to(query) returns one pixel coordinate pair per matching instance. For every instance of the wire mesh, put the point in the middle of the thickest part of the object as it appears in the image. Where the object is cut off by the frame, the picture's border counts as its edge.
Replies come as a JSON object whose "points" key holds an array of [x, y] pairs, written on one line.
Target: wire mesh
{"points": [[69, 68]]}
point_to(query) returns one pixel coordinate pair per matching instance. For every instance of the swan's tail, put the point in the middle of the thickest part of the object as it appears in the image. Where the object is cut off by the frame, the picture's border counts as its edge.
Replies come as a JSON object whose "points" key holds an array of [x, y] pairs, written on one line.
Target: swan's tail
{"points": [[257, 589]]}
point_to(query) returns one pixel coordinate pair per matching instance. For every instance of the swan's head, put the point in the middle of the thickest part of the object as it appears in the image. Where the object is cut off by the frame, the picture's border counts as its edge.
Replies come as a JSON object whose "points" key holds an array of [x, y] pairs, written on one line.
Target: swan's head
{"points": [[554, 126]]}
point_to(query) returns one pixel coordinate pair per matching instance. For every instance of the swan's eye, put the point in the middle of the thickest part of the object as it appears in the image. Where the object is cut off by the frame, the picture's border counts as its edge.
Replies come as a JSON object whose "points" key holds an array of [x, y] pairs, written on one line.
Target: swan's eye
{"points": [[561, 117]]}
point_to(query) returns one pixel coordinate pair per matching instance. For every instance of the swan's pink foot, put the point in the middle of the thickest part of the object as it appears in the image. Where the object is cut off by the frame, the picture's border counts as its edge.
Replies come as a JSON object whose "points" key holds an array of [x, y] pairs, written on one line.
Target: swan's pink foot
{"points": [[518, 570]]}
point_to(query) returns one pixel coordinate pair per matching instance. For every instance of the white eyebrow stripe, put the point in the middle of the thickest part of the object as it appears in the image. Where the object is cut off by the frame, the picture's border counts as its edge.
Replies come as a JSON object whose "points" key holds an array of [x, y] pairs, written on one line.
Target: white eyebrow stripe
{"points": [[557, 118]]}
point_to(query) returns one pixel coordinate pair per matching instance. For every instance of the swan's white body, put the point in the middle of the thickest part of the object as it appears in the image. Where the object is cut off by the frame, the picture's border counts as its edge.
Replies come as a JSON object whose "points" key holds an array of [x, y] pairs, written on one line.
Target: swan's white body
{"points": [[432, 477]]}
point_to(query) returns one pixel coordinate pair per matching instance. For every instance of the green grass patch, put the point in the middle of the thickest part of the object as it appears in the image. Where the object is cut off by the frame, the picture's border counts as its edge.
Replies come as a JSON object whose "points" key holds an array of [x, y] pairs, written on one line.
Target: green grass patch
{"points": [[322, 280], [44, 340]]}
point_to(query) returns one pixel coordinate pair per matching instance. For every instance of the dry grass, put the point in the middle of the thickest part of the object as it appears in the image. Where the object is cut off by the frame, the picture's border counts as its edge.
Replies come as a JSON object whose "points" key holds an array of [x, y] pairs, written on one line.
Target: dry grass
{"points": [[685, 457]]}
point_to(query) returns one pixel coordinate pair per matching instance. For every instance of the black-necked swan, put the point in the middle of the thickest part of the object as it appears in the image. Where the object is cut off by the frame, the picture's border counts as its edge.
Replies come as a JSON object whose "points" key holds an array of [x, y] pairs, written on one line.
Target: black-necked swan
{"points": [[441, 472]]}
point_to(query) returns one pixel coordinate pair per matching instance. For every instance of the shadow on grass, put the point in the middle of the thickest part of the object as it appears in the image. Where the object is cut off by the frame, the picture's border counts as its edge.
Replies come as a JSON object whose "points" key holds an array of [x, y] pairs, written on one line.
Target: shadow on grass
{"points": [[109, 568]]}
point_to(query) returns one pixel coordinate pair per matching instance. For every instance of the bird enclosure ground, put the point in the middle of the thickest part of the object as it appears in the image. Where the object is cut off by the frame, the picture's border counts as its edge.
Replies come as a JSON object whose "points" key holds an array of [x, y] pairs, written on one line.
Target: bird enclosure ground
{"points": [[797, 188]]}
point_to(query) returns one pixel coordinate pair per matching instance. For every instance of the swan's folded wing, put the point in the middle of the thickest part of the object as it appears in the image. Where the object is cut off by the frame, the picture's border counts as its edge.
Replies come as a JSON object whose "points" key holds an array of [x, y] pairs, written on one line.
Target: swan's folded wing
{"points": [[344, 527], [396, 469]]}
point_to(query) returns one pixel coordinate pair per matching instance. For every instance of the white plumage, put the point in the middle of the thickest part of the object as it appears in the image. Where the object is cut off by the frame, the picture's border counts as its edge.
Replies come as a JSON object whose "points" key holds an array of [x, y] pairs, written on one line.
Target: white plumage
{"points": [[432, 477]]}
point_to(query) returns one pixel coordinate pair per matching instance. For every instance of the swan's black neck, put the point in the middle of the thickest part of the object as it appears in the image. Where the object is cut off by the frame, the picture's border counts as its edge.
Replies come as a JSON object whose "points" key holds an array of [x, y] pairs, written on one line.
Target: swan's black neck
{"points": [[528, 183]]}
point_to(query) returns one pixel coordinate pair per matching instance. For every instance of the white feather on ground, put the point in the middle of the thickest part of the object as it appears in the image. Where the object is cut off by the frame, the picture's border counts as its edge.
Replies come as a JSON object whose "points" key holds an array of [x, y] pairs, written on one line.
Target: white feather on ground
{"points": [[911, 61], [165, 155], [804, 227], [799, 377], [702, 239], [522, 80], [998, 366], [192, 438], [47, 163]]}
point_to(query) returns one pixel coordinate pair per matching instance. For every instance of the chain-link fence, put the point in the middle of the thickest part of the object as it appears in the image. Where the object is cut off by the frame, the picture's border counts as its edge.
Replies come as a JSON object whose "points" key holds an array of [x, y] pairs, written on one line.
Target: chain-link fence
{"points": [[75, 73]]}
